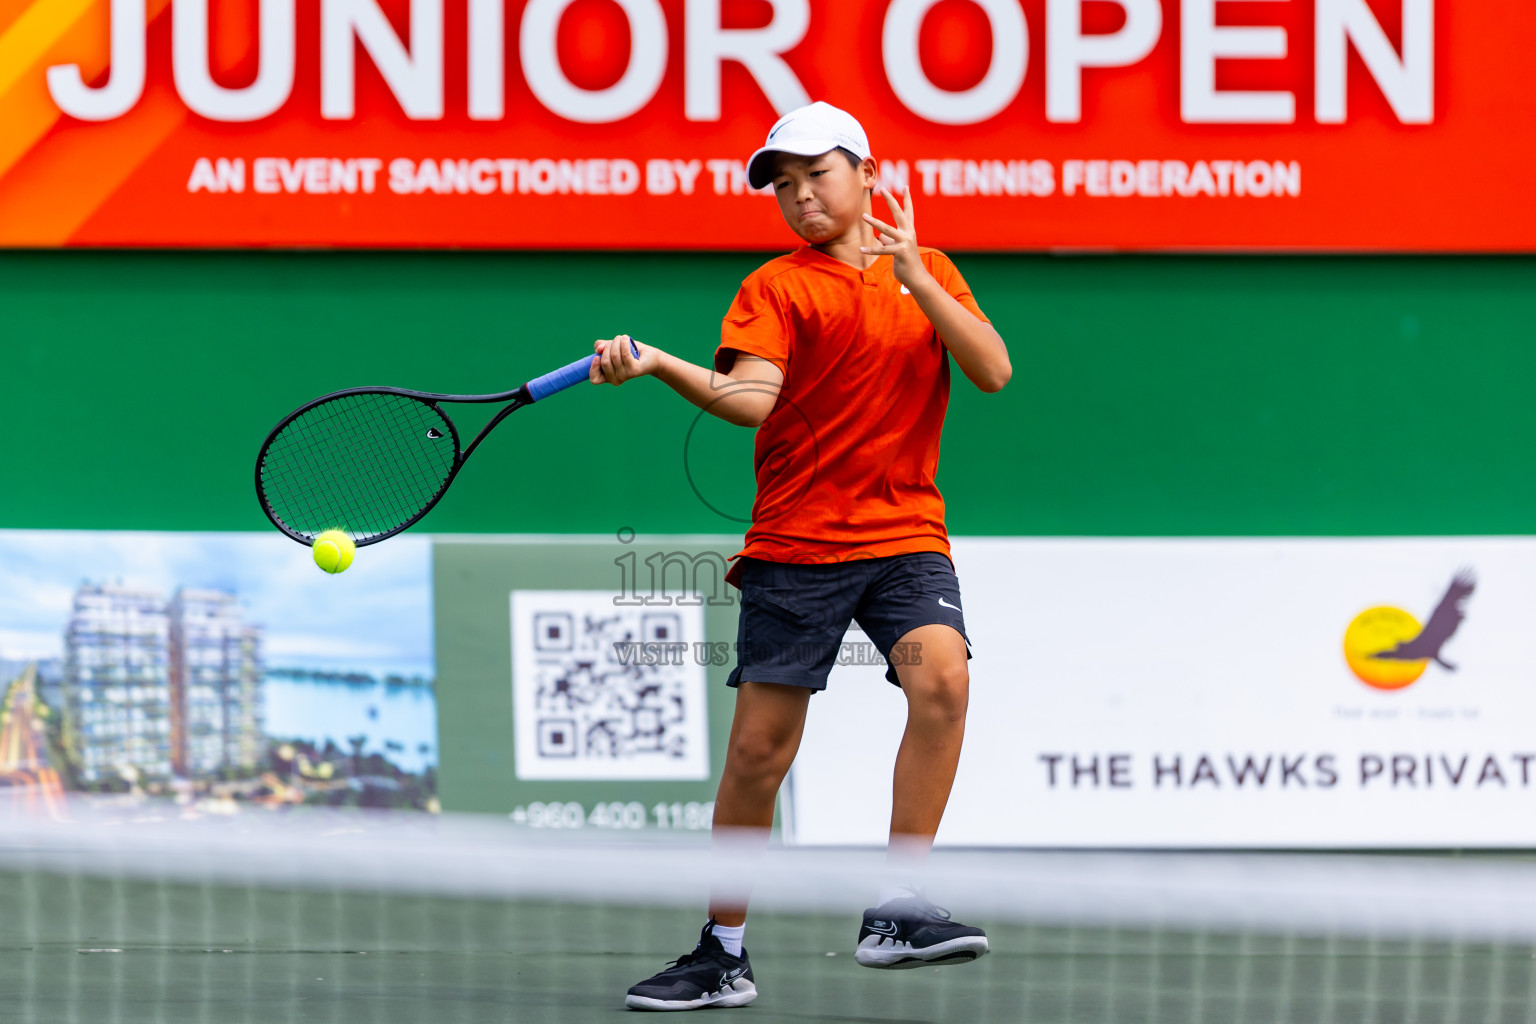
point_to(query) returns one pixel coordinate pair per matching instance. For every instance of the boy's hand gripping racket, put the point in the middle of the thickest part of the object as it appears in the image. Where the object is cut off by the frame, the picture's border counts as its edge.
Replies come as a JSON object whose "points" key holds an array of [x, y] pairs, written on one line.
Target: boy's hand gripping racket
{"points": [[372, 461]]}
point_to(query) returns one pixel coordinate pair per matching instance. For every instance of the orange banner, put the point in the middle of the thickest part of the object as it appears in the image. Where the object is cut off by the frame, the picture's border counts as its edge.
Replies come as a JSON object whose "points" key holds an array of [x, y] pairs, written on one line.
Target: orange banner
{"points": [[1018, 124]]}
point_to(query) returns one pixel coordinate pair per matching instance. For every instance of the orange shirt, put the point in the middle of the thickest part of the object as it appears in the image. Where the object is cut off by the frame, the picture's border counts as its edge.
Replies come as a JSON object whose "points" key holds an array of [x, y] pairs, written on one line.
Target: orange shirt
{"points": [[845, 463]]}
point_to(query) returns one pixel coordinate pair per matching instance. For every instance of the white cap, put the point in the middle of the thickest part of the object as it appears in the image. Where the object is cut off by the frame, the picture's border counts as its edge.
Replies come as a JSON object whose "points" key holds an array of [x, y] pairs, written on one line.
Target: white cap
{"points": [[808, 131]]}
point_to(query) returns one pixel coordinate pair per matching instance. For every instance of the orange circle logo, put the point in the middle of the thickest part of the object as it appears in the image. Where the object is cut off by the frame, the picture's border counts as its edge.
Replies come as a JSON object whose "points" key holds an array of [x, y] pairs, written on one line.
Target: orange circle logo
{"points": [[1374, 631]]}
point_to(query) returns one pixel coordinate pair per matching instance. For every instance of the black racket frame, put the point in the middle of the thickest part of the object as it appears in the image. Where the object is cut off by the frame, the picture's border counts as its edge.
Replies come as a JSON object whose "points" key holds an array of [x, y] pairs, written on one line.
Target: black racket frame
{"points": [[517, 398]]}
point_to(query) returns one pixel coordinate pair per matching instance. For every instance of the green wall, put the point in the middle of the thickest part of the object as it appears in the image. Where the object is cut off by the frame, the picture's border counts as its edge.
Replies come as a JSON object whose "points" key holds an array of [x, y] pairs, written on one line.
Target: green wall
{"points": [[1151, 395]]}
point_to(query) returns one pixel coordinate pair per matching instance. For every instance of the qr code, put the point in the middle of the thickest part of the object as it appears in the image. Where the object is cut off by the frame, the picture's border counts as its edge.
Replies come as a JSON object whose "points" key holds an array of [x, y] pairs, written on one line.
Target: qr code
{"points": [[591, 697]]}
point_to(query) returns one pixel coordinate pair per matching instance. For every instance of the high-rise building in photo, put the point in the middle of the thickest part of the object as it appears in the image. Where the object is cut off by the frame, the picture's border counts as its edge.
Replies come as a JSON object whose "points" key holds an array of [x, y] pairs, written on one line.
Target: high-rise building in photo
{"points": [[215, 673], [117, 682], [162, 687]]}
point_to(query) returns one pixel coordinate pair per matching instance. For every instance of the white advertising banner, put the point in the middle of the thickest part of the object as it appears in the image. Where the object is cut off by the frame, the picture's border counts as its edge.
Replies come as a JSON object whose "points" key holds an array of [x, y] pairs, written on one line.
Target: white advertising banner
{"points": [[1215, 693]]}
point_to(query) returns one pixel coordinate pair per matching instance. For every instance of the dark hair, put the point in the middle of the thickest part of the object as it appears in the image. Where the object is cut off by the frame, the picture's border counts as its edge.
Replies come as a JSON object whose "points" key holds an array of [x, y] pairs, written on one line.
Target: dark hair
{"points": [[853, 158]]}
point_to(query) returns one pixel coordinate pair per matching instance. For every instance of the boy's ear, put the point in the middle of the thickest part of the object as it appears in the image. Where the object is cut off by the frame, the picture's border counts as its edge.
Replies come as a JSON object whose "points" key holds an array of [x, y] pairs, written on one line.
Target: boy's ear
{"points": [[870, 172]]}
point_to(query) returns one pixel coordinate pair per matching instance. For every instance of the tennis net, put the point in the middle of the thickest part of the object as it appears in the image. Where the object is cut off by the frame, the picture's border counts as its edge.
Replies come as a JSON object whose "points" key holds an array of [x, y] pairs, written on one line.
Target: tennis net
{"points": [[141, 915]]}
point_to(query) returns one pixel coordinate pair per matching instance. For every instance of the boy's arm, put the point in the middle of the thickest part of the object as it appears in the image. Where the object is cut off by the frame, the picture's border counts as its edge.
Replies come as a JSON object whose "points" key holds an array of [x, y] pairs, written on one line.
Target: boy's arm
{"points": [[745, 396], [977, 347]]}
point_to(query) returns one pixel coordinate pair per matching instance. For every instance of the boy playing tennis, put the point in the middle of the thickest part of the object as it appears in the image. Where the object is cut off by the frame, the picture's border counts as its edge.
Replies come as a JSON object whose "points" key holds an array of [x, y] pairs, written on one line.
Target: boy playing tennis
{"points": [[836, 353]]}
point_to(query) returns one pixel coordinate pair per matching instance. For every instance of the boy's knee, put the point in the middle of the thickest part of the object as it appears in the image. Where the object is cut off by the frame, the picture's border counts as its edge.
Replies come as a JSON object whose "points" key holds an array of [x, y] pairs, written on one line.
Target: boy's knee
{"points": [[942, 692], [760, 753]]}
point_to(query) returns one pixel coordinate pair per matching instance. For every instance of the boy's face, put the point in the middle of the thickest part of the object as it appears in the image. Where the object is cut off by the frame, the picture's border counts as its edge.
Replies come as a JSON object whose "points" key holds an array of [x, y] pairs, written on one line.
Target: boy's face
{"points": [[822, 197]]}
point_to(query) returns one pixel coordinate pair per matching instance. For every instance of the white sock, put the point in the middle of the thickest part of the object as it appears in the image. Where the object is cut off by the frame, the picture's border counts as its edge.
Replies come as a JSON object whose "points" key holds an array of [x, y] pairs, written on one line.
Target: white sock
{"points": [[905, 864], [731, 938]]}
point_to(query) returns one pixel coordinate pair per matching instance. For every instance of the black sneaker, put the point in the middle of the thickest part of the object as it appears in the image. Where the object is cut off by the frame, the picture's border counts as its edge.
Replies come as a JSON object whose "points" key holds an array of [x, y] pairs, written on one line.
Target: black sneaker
{"points": [[707, 977], [911, 932]]}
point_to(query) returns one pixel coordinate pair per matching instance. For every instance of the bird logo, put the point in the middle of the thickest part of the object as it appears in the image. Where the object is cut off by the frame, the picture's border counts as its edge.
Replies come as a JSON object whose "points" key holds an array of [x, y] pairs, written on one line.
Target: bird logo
{"points": [[1386, 647]]}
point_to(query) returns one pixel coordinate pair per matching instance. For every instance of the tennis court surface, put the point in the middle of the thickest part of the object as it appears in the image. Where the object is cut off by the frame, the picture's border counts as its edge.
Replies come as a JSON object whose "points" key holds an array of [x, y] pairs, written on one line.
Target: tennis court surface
{"points": [[195, 922]]}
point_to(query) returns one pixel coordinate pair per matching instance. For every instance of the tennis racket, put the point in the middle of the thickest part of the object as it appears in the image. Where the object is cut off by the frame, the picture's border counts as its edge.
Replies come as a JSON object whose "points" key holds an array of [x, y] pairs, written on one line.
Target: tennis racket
{"points": [[372, 461]]}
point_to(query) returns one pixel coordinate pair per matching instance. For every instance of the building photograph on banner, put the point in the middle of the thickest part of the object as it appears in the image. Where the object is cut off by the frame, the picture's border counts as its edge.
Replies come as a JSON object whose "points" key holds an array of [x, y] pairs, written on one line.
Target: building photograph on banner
{"points": [[202, 672], [1016, 124]]}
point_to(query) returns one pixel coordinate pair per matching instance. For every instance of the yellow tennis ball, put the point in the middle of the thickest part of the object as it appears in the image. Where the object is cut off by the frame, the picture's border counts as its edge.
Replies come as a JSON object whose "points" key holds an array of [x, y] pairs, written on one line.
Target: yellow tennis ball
{"points": [[334, 551]]}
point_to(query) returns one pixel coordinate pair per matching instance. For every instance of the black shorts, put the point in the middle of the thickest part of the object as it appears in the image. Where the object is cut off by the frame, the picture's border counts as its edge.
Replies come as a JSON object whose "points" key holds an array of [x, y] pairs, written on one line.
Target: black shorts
{"points": [[793, 616]]}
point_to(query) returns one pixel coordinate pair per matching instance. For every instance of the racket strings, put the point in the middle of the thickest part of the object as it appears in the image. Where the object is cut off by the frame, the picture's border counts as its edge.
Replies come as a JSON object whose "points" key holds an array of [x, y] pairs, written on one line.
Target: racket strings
{"points": [[367, 464], [341, 441], [395, 487], [340, 474]]}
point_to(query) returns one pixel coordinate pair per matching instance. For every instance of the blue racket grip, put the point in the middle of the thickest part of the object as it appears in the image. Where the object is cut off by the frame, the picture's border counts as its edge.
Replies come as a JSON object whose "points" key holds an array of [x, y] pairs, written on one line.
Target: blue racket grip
{"points": [[566, 377]]}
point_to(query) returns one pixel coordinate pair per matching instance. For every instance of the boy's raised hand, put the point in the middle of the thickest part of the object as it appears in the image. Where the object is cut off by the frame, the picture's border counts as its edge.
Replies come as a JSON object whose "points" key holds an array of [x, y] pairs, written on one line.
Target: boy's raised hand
{"points": [[900, 241], [616, 361]]}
